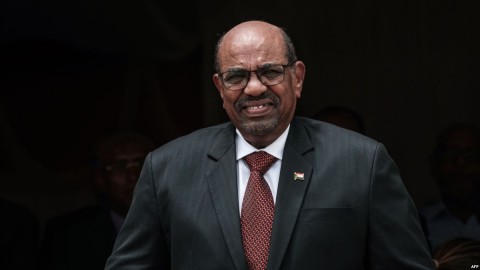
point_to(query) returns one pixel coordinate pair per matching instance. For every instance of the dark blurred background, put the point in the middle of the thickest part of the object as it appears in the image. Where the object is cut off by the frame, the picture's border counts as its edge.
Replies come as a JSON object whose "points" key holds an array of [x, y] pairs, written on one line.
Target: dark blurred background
{"points": [[74, 71]]}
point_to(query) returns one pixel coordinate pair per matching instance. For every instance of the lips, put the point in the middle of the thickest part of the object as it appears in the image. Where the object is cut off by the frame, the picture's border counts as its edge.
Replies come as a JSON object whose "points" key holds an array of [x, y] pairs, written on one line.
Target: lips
{"points": [[257, 106], [257, 109], [253, 107]]}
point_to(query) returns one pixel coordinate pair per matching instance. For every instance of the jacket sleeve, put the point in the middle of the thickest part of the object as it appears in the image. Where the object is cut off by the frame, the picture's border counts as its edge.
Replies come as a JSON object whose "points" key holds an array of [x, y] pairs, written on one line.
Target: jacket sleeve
{"points": [[141, 243], [395, 237]]}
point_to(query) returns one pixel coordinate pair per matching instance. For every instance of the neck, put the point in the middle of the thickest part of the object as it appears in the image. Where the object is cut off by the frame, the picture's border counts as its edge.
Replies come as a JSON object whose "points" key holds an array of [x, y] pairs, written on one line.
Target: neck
{"points": [[262, 141], [260, 144]]}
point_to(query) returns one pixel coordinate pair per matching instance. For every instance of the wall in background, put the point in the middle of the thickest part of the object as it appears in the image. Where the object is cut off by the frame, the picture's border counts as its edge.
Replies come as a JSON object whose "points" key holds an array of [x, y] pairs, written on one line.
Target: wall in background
{"points": [[73, 72]]}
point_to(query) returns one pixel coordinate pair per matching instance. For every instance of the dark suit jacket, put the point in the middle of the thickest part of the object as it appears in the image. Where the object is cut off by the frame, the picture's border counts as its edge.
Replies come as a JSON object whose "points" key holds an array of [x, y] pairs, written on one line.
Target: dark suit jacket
{"points": [[79, 240], [351, 211], [19, 237]]}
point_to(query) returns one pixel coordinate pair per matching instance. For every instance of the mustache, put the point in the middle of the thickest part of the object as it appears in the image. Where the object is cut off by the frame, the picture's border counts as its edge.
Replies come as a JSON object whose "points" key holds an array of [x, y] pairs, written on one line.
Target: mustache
{"points": [[266, 95]]}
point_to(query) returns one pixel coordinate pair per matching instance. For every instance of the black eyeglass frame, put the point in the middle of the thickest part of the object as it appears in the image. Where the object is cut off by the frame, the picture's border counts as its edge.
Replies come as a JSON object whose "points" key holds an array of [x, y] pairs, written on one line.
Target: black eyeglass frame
{"points": [[123, 166], [257, 73]]}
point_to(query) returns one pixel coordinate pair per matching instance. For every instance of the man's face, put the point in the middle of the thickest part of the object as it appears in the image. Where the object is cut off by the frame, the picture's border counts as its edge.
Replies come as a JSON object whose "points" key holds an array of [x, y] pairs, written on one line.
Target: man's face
{"points": [[458, 167], [120, 176], [260, 112]]}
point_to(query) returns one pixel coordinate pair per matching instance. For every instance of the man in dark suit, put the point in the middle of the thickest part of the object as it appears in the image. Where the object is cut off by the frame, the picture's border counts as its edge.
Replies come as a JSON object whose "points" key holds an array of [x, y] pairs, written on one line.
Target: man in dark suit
{"points": [[83, 239], [455, 164], [334, 197], [19, 237]]}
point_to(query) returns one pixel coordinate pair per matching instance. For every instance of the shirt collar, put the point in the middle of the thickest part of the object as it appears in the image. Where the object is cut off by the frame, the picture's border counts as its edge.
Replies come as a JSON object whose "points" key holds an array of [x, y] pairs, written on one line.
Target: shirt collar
{"points": [[275, 149], [117, 220]]}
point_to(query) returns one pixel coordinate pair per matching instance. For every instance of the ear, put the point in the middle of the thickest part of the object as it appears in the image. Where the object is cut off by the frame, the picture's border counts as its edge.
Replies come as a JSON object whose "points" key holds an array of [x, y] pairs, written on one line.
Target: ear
{"points": [[299, 77], [218, 84]]}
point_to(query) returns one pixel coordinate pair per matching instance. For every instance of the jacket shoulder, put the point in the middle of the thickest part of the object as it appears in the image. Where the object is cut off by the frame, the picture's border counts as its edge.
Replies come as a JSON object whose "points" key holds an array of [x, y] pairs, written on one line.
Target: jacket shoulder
{"points": [[199, 141]]}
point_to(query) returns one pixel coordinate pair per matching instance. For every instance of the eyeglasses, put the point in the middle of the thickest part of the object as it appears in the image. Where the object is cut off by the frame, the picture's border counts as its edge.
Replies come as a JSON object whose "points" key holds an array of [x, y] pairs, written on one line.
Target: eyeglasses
{"points": [[123, 166], [467, 156], [237, 79]]}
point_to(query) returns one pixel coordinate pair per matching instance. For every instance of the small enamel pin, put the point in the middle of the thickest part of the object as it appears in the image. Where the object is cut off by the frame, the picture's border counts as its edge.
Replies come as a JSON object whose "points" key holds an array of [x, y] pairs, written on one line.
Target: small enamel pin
{"points": [[298, 176]]}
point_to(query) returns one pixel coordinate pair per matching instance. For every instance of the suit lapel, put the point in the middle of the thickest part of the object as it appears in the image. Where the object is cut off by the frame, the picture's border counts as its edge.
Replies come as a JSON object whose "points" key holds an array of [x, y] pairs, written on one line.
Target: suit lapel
{"points": [[290, 192], [222, 183]]}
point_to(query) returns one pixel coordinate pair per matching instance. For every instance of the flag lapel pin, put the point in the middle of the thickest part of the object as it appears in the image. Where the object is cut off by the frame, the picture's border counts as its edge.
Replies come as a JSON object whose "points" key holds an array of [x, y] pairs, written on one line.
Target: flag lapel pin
{"points": [[298, 176]]}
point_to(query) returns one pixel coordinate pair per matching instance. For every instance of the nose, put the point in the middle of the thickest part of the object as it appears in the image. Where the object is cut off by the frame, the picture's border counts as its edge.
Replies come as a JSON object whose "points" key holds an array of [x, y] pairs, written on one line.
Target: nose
{"points": [[254, 86]]}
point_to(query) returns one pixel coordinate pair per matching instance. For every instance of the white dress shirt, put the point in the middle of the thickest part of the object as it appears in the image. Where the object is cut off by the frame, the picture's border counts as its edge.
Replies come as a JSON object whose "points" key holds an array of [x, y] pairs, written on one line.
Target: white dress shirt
{"points": [[271, 176], [443, 225]]}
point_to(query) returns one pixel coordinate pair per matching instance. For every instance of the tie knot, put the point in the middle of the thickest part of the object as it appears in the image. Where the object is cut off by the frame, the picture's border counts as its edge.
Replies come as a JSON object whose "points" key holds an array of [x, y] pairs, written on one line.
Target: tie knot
{"points": [[259, 161]]}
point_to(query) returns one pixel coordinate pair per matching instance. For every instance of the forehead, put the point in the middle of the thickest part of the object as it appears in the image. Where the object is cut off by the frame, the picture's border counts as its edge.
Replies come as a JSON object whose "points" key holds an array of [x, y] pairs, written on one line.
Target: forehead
{"points": [[462, 139], [250, 47], [125, 151]]}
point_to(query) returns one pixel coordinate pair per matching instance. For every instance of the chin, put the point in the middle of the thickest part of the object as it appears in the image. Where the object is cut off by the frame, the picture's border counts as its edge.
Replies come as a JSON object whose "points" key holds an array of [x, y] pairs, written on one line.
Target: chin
{"points": [[259, 128]]}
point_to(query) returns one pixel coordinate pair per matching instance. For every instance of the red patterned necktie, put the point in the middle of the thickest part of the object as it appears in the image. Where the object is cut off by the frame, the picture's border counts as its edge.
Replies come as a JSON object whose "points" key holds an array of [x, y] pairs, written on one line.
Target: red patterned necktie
{"points": [[257, 211]]}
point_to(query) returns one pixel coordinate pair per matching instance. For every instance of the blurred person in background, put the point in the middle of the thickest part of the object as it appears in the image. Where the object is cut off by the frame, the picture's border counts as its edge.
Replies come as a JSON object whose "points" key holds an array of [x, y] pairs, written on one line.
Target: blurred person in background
{"points": [[342, 117], [83, 239], [455, 165], [19, 237]]}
